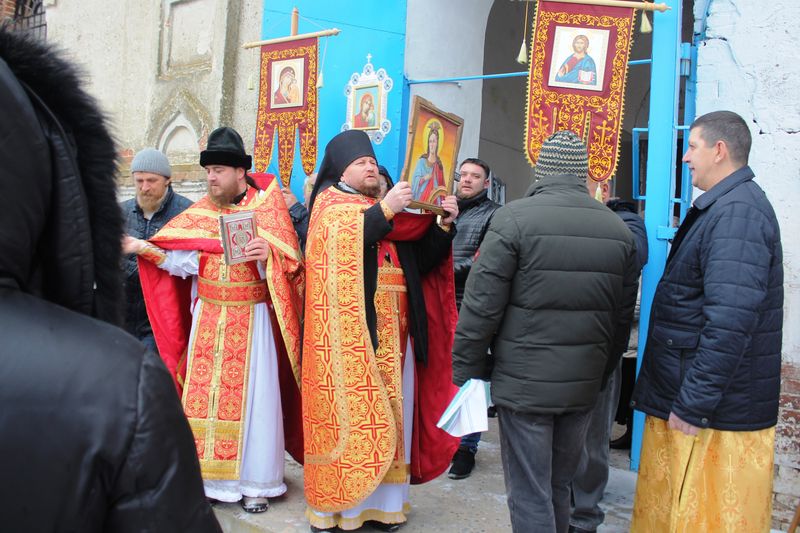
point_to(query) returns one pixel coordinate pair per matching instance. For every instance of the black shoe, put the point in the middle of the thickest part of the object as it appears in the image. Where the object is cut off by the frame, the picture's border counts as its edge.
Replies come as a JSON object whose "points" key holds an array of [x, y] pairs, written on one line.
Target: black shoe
{"points": [[463, 463], [576, 529], [380, 526], [254, 505], [315, 529], [623, 442], [491, 411]]}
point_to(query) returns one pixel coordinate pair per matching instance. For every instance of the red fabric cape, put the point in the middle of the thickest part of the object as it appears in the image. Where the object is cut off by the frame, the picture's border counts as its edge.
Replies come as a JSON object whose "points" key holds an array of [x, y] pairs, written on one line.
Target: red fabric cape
{"points": [[432, 448]]}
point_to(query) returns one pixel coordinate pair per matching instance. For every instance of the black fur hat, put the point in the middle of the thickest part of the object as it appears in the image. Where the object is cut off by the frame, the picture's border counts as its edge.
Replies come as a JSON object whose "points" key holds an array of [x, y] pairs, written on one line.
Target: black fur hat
{"points": [[225, 147]]}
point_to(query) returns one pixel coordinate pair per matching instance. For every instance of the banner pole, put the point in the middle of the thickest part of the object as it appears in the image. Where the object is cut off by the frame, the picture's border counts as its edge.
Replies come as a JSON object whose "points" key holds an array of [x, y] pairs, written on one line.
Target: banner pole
{"points": [[644, 6], [323, 33], [295, 21]]}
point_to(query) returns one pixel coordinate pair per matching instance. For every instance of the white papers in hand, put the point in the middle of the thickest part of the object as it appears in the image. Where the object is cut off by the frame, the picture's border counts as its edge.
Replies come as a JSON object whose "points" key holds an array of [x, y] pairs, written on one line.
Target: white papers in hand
{"points": [[467, 411]]}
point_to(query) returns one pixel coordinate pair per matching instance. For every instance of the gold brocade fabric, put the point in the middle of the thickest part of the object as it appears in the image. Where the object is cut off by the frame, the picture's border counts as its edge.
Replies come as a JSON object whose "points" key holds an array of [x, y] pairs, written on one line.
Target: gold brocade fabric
{"points": [[719, 481], [284, 267], [352, 394], [391, 306], [351, 523], [216, 385]]}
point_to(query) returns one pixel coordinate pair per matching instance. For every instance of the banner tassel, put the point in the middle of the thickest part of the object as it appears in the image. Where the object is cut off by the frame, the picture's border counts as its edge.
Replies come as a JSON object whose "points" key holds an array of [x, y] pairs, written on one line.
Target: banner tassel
{"points": [[522, 57], [645, 27]]}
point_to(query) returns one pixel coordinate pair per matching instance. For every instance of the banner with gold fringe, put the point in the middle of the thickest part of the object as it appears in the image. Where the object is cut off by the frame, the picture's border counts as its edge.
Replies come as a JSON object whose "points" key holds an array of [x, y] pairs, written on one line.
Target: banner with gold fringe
{"points": [[287, 104], [578, 66]]}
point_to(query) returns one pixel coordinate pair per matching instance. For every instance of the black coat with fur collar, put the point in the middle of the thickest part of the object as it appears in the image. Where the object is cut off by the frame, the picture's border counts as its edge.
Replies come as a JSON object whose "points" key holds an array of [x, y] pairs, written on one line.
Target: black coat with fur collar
{"points": [[92, 435]]}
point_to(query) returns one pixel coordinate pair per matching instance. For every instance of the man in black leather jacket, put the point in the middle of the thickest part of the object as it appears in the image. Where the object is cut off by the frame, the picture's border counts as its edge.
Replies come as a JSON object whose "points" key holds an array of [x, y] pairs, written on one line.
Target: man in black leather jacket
{"points": [[155, 204], [93, 435], [475, 210]]}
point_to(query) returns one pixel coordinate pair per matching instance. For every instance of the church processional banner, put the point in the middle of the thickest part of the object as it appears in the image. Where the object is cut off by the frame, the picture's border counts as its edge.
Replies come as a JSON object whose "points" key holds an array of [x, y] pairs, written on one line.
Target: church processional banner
{"points": [[287, 103], [578, 66]]}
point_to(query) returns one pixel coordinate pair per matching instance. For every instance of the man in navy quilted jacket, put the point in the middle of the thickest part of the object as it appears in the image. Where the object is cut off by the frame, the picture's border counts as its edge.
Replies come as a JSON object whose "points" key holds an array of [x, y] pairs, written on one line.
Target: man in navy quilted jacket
{"points": [[710, 378]]}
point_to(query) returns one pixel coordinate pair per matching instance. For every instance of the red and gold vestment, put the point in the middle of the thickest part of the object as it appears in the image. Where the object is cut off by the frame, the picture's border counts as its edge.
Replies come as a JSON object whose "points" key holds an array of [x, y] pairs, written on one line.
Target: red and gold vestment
{"points": [[214, 386], [352, 393]]}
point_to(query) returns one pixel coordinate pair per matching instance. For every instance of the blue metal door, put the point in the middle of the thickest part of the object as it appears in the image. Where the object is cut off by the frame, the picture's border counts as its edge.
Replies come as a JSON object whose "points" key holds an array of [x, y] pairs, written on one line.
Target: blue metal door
{"points": [[665, 204]]}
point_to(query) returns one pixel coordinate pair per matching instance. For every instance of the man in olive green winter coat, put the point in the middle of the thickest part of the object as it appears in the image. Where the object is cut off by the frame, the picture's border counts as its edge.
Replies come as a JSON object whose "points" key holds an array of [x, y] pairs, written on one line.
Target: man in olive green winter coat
{"points": [[550, 293]]}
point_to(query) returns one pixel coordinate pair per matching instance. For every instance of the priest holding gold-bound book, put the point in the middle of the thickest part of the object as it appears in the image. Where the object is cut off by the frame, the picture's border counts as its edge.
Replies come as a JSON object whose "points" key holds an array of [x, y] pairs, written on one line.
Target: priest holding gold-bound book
{"points": [[223, 283]]}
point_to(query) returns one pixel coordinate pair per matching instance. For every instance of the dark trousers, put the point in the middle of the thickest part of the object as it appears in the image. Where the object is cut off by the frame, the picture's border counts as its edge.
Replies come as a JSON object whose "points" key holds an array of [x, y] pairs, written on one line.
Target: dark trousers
{"points": [[591, 477], [627, 382], [540, 455]]}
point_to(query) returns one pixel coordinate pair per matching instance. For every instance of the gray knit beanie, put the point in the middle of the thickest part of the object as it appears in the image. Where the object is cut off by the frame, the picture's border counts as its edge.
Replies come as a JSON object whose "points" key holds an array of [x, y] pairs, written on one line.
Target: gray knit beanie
{"points": [[153, 161], [562, 153]]}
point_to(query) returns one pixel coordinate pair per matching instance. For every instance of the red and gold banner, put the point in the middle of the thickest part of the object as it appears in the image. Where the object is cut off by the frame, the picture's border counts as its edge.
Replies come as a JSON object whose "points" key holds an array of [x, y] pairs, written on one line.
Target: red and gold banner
{"points": [[579, 61], [287, 103]]}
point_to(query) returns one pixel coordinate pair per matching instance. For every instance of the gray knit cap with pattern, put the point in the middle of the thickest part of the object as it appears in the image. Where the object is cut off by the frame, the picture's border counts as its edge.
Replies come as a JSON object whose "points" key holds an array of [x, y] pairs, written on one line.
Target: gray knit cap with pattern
{"points": [[562, 153], [153, 161]]}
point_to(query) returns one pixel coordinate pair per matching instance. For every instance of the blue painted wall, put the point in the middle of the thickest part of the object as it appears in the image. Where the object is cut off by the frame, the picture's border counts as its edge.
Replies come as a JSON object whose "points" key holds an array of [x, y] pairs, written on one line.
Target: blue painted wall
{"points": [[368, 27]]}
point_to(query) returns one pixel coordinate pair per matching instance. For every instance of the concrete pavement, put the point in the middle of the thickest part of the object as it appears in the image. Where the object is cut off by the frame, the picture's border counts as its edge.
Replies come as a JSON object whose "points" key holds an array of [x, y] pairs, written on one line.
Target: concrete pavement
{"points": [[473, 505]]}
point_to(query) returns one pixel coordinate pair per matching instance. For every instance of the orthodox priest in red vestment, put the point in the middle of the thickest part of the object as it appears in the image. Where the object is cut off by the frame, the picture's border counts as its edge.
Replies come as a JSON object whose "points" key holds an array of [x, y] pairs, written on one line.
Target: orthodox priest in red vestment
{"points": [[379, 321], [230, 333]]}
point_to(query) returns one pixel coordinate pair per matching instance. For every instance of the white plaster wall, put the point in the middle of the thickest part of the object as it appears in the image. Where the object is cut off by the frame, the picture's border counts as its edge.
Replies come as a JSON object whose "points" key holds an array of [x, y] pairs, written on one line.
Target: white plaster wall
{"points": [[748, 65], [246, 74], [445, 39], [117, 44], [118, 58]]}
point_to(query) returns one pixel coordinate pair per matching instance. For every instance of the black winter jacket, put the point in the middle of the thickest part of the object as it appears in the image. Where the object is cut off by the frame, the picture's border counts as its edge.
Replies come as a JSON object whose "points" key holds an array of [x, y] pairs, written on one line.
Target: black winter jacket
{"points": [[627, 212], [136, 225], [552, 291], [92, 435], [473, 219], [713, 353]]}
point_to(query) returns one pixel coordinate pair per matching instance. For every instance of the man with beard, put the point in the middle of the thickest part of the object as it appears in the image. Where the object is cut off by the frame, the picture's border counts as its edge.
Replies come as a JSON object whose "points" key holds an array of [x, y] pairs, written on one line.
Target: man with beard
{"points": [[578, 67], [475, 210], [155, 205], [240, 392], [93, 436], [380, 315]]}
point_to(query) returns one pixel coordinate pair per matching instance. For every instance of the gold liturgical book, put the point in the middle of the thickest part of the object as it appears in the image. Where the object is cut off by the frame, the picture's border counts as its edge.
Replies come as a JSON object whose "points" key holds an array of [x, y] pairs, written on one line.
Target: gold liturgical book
{"points": [[235, 231]]}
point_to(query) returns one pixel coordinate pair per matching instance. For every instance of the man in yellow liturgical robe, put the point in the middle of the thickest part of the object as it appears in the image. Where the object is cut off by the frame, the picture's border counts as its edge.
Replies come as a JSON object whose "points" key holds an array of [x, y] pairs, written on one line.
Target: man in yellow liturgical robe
{"points": [[710, 377], [379, 320]]}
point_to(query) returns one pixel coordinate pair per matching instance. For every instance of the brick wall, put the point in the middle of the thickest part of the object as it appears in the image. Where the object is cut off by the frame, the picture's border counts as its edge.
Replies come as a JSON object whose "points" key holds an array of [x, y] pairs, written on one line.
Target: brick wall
{"points": [[186, 173], [188, 179], [7, 9], [787, 451], [744, 65]]}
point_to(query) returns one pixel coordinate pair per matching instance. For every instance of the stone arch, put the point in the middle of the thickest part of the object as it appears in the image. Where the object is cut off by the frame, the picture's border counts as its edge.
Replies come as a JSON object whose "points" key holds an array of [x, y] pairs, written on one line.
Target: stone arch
{"points": [[503, 100], [180, 128], [179, 140]]}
